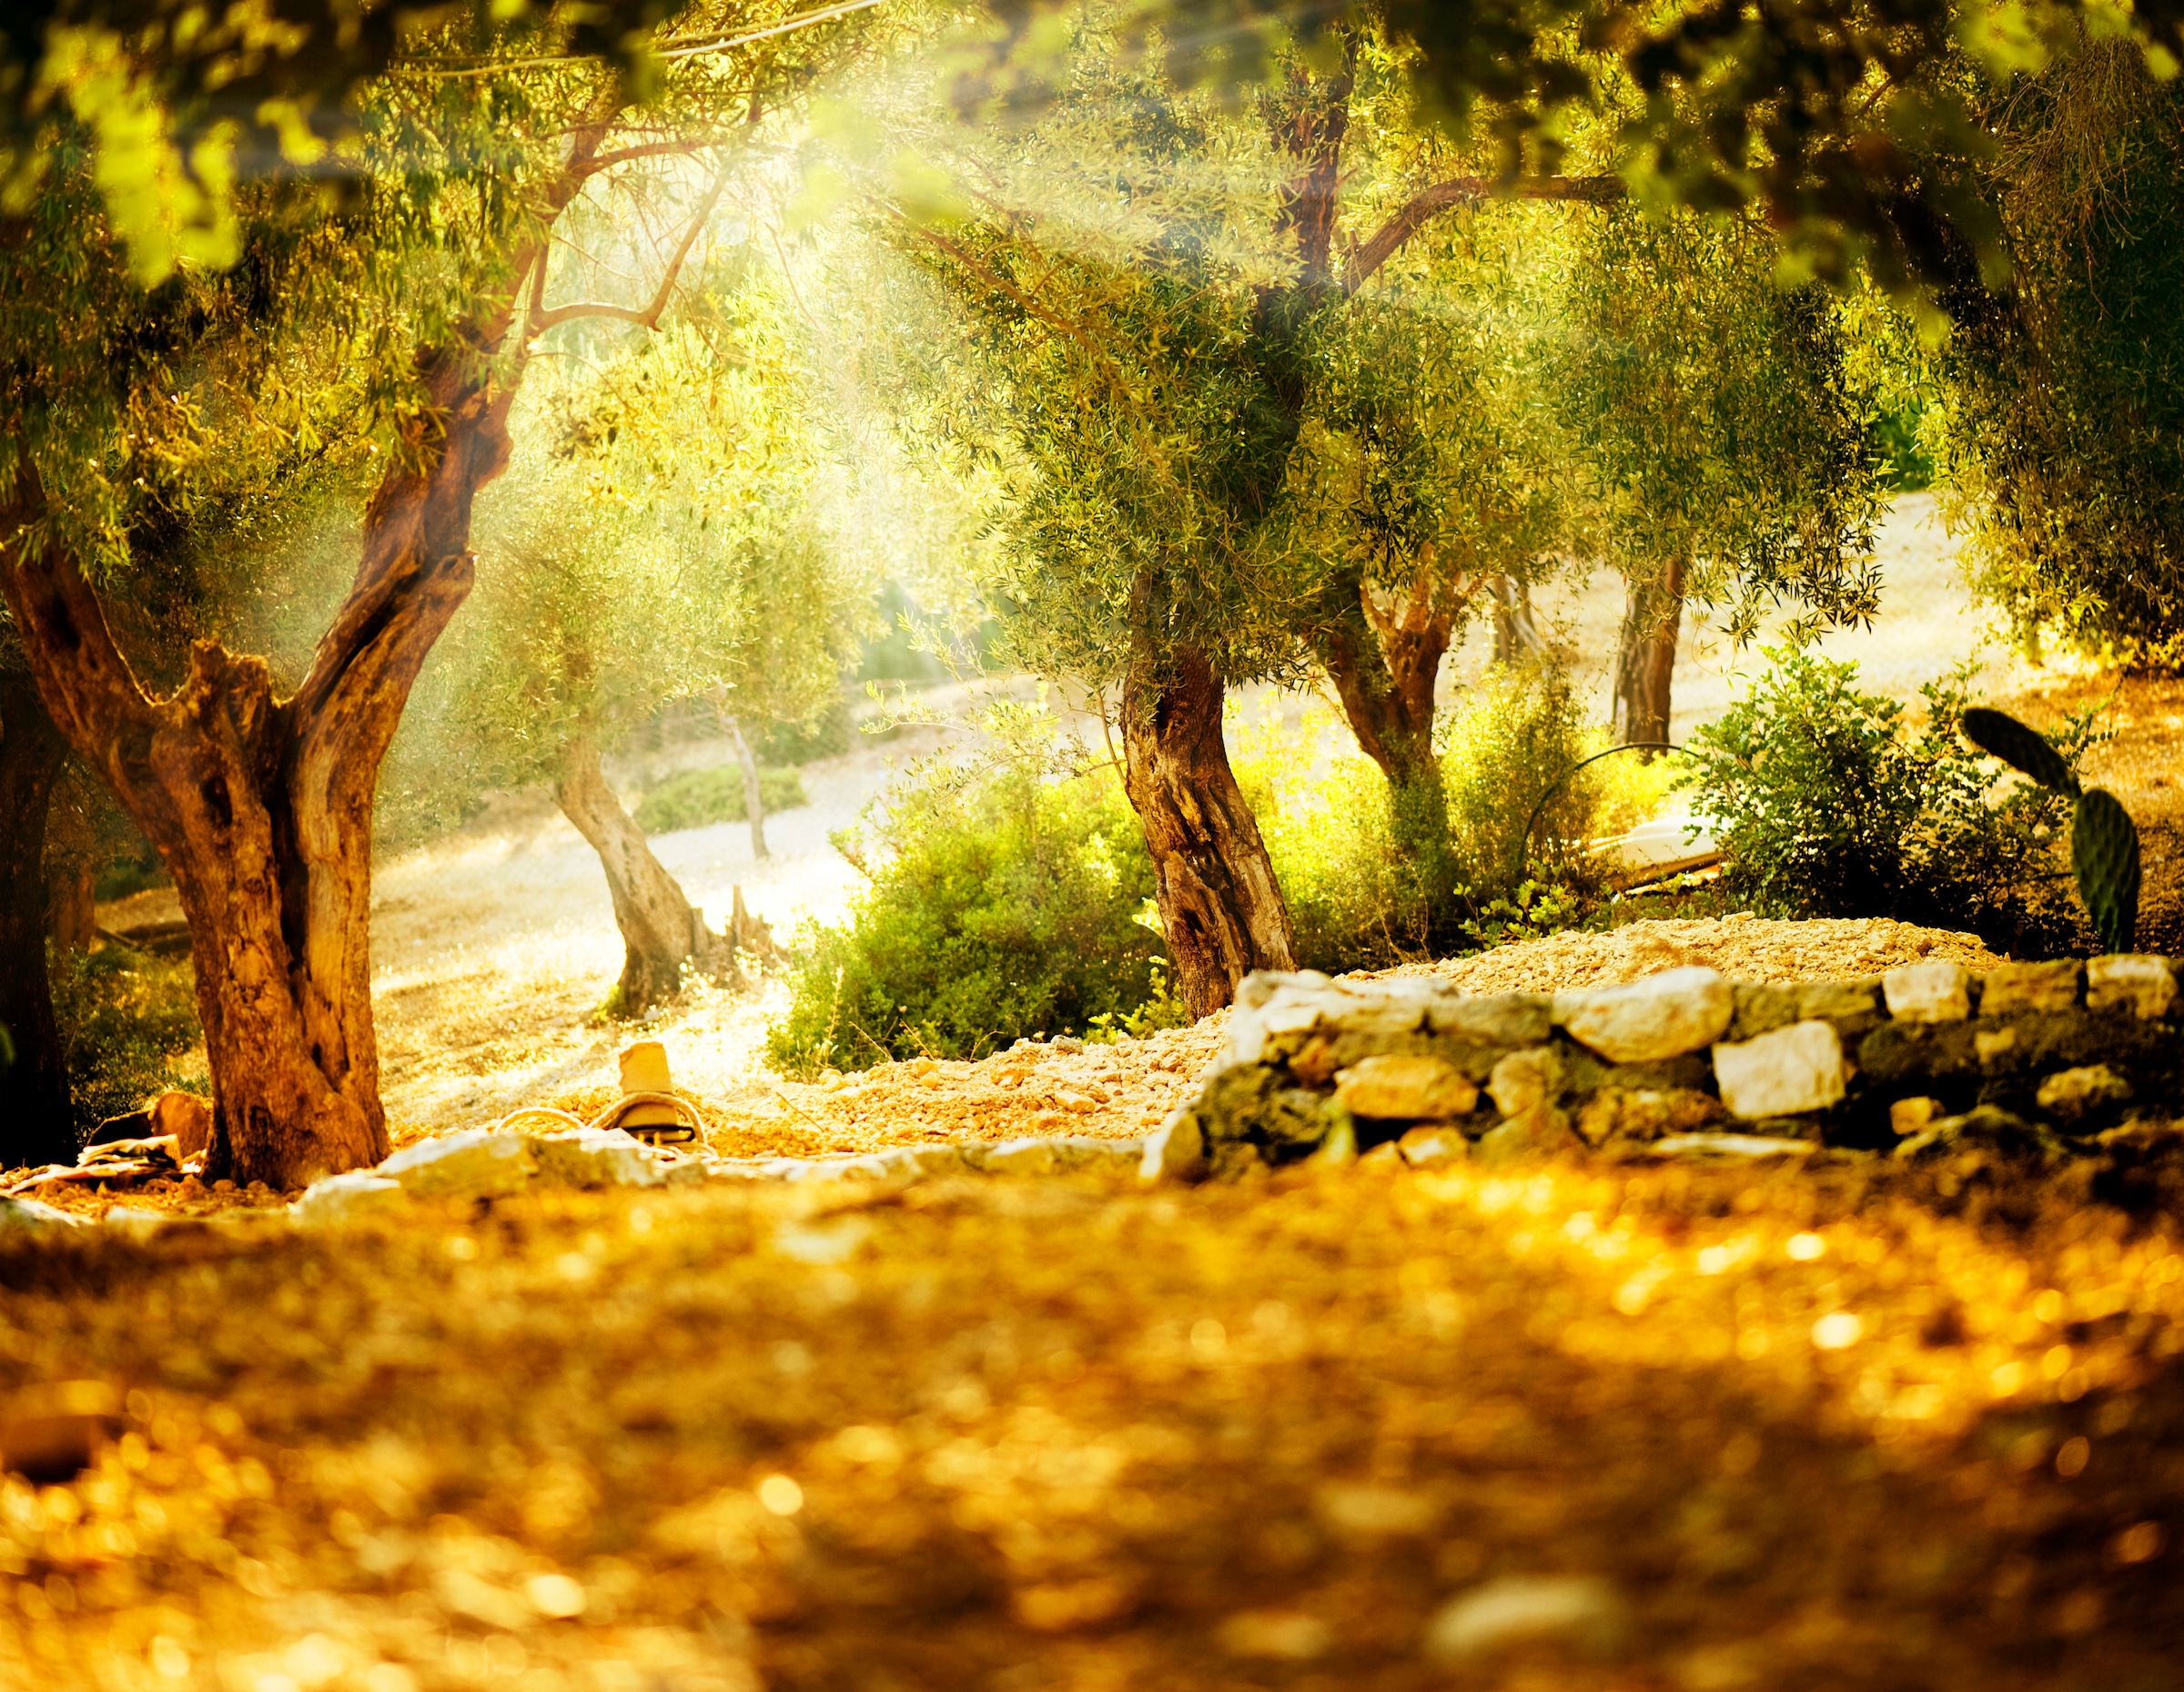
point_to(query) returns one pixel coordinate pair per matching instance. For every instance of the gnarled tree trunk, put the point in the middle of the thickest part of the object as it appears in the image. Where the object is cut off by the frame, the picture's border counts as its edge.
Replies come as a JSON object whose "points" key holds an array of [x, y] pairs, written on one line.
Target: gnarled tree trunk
{"points": [[1220, 906], [37, 1120], [261, 808], [1384, 660], [661, 930], [1645, 662]]}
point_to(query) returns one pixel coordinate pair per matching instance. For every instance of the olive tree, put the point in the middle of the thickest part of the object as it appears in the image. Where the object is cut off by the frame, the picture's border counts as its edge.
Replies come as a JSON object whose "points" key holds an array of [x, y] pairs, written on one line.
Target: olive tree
{"points": [[422, 291], [1724, 441], [662, 538]]}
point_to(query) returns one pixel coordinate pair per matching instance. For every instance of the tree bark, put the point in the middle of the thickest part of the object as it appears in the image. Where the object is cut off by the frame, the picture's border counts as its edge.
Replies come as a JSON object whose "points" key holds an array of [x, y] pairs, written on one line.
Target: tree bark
{"points": [[1220, 906], [754, 797], [1645, 662], [1516, 626], [36, 1118], [1384, 660], [70, 909], [661, 932], [261, 808]]}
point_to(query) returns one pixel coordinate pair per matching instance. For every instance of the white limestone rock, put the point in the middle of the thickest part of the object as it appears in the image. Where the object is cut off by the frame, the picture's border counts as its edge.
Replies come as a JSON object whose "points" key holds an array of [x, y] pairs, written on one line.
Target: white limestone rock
{"points": [[1524, 1080], [1176, 1150], [1576, 1612], [1728, 1148], [2013, 987], [345, 1197], [1433, 1147], [1927, 992], [1785, 1073], [2072, 1093], [1644, 1021], [30, 1215], [2144, 983], [1398, 1087], [596, 1157], [1022, 1157], [480, 1164]]}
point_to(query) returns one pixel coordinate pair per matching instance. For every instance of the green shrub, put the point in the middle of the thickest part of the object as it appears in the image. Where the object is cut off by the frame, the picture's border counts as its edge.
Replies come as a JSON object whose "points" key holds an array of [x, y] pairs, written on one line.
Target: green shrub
{"points": [[128, 1020], [826, 736], [1354, 891], [716, 795], [1827, 804], [1001, 901]]}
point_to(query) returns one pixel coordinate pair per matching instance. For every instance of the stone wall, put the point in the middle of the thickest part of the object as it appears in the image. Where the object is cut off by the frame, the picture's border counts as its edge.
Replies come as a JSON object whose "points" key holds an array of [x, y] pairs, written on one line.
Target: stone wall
{"points": [[2032, 1059]]}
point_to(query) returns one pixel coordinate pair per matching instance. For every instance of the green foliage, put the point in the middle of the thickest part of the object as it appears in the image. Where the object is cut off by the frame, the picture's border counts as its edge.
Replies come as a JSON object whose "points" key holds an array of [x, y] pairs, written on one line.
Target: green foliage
{"points": [[1827, 804], [787, 745], [2062, 394], [2104, 844], [1002, 899], [1354, 891], [128, 1020], [1719, 421], [698, 798], [2104, 855]]}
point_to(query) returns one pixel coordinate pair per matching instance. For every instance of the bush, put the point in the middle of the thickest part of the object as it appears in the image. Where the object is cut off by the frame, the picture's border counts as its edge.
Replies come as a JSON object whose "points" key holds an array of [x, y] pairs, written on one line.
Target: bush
{"points": [[127, 1020], [1827, 806], [716, 795], [826, 736], [1001, 901], [1354, 891]]}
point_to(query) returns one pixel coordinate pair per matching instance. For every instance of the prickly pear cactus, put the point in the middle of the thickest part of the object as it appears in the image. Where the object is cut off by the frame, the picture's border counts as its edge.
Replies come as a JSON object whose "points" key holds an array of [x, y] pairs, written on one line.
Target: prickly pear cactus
{"points": [[2104, 851], [2001, 735]]}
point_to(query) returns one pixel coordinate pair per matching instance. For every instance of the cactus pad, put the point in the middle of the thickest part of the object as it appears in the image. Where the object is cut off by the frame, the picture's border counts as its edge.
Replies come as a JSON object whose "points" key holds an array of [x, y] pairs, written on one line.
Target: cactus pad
{"points": [[2001, 735], [2104, 851]]}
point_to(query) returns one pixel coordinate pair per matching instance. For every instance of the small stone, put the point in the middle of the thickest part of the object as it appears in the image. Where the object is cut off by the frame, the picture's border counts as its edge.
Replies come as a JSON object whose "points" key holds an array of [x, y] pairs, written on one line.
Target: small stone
{"points": [[343, 1198], [1538, 1133], [1524, 1081], [1433, 1148], [595, 1157], [1643, 1021], [1988, 1128], [1728, 1148], [2013, 987], [1580, 1613], [30, 1214], [480, 1164], [1853, 1007], [1382, 1156], [1404, 1088], [1994, 1044], [1176, 1150], [185, 1115], [1913, 1116], [1785, 1073], [1643, 1113], [1339, 1144], [2073, 1093], [1929, 992], [2133, 978]]}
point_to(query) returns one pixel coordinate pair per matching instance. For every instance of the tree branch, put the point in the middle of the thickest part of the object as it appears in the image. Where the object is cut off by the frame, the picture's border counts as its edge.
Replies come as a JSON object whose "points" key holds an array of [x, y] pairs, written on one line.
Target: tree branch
{"points": [[648, 316], [1428, 203]]}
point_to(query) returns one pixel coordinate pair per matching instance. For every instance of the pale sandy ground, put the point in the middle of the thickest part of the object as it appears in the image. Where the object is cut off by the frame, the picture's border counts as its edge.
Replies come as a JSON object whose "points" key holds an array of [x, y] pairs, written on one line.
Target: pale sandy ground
{"points": [[494, 946]]}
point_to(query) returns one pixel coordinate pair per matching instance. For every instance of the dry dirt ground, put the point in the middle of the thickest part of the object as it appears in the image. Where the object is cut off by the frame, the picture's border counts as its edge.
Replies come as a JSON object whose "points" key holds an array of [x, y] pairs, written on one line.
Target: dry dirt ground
{"points": [[1570, 1429]]}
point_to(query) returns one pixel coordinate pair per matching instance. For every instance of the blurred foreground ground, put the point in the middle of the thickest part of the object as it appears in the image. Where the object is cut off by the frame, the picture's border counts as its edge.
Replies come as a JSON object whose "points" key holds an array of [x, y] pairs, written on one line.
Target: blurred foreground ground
{"points": [[1579, 1427]]}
